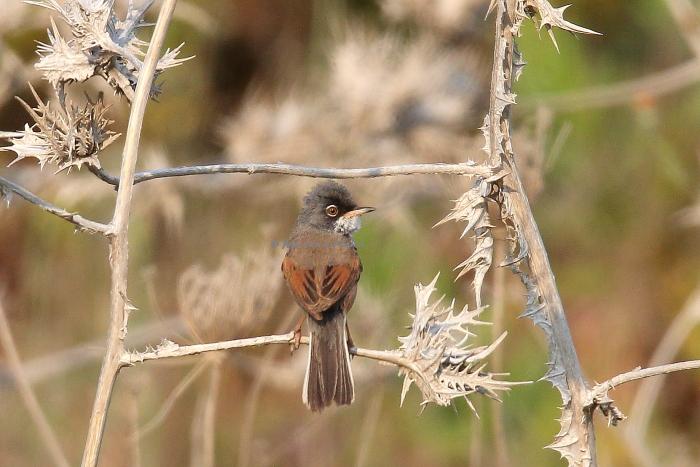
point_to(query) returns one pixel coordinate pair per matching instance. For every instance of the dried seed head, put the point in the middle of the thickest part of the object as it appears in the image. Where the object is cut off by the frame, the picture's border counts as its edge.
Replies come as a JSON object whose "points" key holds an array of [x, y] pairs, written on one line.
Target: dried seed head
{"points": [[232, 301], [102, 45], [445, 365], [64, 137]]}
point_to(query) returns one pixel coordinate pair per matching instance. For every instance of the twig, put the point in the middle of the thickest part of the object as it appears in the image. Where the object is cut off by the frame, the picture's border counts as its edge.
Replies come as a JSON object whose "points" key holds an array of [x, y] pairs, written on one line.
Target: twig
{"points": [[83, 224], [599, 390], [688, 20], [27, 394], [170, 349], [251, 403], [303, 171], [609, 95], [169, 403], [499, 434], [61, 361], [133, 420], [369, 428], [644, 401], [209, 414], [120, 307]]}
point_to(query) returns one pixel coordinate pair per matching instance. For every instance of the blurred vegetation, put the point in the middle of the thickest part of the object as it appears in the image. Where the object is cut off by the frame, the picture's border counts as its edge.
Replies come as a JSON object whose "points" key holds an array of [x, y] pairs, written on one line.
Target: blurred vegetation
{"points": [[608, 211]]}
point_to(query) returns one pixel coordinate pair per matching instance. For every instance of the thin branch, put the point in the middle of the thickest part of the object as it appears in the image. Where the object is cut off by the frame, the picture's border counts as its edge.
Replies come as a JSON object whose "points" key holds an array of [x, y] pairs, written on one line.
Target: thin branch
{"points": [[59, 362], [686, 16], [27, 393], [499, 434], [677, 333], [170, 349], [251, 404], [83, 224], [169, 403], [469, 168], [600, 390], [368, 429], [610, 95], [119, 309], [209, 413]]}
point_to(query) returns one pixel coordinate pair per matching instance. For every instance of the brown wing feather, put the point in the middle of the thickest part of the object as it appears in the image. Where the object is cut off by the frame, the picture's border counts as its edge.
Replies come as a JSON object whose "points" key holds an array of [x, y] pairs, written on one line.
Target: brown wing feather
{"points": [[319, 288]]}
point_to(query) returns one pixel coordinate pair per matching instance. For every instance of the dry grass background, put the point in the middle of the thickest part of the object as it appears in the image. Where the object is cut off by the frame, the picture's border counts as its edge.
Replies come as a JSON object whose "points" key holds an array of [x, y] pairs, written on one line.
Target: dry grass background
{"points": [[354, 84]]}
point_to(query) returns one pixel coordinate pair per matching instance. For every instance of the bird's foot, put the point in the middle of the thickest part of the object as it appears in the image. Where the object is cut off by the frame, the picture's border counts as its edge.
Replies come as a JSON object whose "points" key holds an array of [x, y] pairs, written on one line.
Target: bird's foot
{"points": [[296, 341]]}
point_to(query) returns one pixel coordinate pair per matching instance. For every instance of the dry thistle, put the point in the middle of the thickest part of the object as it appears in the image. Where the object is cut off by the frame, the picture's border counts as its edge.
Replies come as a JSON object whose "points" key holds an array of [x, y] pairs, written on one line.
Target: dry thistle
{"points": [[440, 360], [102, 45], [66, 137], [472, 208], [231, 301]]}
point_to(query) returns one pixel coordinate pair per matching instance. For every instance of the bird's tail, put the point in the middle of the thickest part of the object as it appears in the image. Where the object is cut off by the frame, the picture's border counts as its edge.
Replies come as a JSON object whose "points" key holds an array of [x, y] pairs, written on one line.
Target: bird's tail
{"points": [[328, 375]]}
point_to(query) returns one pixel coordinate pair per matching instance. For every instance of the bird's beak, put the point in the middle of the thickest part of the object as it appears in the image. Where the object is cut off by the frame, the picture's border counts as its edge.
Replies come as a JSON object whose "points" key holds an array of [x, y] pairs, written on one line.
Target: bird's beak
{"points": [[357, 212]]}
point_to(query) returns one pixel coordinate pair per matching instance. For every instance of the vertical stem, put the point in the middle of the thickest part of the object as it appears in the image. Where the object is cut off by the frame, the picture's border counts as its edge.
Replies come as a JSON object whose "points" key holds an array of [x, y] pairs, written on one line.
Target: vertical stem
{"points": [[498, 307], [209, 413], [118, 242], [37, 415], [580, 434]]}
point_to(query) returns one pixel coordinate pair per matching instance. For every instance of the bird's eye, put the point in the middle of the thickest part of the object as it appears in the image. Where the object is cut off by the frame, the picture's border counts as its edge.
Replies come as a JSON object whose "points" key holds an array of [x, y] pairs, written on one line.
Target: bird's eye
{"points": [[332, 210]]}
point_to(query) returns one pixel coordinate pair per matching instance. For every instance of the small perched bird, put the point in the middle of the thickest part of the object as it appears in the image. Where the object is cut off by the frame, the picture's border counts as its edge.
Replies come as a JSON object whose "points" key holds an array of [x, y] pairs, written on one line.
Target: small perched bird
{"points": [[322, 268]]}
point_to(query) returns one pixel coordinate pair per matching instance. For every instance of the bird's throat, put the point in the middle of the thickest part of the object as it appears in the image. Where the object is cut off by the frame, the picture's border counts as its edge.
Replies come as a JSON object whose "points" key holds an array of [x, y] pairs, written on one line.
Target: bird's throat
{"points": [[347, 225]]}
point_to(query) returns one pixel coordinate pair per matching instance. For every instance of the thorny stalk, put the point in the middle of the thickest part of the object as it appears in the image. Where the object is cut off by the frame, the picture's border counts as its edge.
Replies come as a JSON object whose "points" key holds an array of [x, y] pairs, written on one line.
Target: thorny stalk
{"points": [[576, 439], [118, 246]]}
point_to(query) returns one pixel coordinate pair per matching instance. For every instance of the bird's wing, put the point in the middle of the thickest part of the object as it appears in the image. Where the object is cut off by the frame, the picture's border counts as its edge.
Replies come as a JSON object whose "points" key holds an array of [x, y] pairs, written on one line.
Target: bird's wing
{"points": [[317, 289]]}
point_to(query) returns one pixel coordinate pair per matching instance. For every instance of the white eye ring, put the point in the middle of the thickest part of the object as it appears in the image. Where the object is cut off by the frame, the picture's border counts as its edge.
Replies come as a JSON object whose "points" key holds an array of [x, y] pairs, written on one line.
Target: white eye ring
{"points": [[332, 210]]}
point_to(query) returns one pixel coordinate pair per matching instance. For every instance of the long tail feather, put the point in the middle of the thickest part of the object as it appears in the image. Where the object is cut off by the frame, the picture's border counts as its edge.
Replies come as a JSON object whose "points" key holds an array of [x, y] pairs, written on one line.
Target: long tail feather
{"points": [[328, 375]]}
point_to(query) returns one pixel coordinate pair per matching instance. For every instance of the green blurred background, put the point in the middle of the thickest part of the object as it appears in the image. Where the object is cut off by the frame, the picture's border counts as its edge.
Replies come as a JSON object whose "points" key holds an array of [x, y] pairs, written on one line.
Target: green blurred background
{"points": [[360, 83]]}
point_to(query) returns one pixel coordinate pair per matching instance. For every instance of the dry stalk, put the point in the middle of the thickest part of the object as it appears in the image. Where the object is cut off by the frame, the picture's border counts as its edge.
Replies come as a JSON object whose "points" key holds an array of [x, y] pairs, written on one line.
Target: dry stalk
{"points": [[118, 245], [82, 224], [528, 259], [468, 168], [609, 95], [687, 18], [46, 433], [209, 412], [260, 378], [368, 428], [157, 420], [685, 322]]}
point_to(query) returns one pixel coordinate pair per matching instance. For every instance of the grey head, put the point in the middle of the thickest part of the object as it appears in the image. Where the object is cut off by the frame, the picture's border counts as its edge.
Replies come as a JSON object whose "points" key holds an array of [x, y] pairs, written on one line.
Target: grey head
{"points": [[329, 206]]}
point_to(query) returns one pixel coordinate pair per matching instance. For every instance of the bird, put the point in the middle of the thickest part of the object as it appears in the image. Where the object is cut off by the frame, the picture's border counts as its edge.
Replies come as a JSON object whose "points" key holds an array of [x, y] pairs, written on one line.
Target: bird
{"points": [[322, 269]]}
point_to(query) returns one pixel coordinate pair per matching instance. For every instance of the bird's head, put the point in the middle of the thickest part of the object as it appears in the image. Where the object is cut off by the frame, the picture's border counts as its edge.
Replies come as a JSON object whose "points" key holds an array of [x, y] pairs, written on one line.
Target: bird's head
{"points": [[329, 206]]}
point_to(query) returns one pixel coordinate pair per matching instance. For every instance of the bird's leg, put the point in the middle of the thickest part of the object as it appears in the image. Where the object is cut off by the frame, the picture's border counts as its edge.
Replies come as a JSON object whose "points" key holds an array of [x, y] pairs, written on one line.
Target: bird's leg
{"points": [[296, 340]]}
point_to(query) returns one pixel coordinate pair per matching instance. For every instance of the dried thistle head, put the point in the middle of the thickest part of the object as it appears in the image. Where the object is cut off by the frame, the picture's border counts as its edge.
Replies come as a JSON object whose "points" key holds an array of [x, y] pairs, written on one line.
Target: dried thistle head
{"points": [[65, 137], [232, 301], [384, 101], [102, 45], [443, 364]]}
